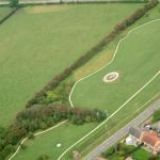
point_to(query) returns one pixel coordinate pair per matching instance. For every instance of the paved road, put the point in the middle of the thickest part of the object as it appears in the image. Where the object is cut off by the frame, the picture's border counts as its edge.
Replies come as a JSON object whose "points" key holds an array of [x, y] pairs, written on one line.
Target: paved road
{"points": [[123, 131]]}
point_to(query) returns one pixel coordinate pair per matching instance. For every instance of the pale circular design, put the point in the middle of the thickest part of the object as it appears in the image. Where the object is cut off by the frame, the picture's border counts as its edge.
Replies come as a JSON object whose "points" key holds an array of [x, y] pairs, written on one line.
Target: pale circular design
{"points": [[58, 145], [110, 77]]}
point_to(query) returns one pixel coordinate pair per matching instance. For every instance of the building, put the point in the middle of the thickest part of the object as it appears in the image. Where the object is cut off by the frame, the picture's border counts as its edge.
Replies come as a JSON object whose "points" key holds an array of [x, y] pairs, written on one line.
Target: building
{"points": [[134, 136], [149, 138]]}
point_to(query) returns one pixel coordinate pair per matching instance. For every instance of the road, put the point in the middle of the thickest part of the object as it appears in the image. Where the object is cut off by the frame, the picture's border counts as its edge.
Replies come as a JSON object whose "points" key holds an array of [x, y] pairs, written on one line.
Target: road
{"points": [[123, 131]]}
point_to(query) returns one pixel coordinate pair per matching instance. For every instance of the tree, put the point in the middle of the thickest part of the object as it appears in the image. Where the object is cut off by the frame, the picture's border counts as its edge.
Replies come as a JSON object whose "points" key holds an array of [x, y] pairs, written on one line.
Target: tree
{"points": [[14, 3]]}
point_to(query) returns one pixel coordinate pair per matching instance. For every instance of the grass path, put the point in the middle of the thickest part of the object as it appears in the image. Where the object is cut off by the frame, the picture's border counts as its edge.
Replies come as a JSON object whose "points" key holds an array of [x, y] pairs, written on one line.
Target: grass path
{"points": [[124, 104], [36, 134]]}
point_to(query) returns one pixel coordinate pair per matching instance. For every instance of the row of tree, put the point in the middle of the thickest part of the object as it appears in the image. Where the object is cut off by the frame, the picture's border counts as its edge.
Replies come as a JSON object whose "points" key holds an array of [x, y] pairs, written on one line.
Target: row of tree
{"points": [[93, 51], [14, 3]]}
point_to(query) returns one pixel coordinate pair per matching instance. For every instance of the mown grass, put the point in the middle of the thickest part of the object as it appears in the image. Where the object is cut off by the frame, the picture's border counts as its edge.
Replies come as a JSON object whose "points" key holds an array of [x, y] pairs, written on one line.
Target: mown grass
{"points": [[4, 11], [46, 144], [39, 42], [136, 63]]}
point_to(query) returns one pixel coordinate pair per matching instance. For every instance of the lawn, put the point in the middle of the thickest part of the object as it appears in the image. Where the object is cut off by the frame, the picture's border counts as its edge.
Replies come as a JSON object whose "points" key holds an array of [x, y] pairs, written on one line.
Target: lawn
{"points": [[39, 42]]}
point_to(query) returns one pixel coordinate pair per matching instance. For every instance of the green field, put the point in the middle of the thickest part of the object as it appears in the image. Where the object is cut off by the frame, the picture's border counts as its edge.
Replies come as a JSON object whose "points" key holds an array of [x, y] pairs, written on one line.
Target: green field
{"points": [[131, 53], [46, 144], [42, 40], [4, 11]]}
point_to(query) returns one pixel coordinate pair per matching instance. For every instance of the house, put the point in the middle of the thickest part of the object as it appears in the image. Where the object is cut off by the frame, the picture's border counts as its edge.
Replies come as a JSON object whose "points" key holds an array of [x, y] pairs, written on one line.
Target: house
{"points": [[149, 138], [134, 136]]}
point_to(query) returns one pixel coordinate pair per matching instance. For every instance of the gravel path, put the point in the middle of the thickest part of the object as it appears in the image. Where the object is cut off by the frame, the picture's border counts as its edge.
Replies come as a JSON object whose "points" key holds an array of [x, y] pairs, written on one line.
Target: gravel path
{"points": [[123, 131]]}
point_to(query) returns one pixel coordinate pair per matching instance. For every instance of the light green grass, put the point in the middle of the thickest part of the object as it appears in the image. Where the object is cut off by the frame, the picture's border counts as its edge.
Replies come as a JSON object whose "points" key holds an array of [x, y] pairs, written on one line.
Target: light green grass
{"points": [[39, 42], [4, 11], [46, 144], [137, 61]]}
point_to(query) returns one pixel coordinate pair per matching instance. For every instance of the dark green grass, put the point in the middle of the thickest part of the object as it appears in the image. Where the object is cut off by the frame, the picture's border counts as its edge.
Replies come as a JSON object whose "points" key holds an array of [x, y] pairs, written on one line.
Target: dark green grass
{"points": [[4, 11]]}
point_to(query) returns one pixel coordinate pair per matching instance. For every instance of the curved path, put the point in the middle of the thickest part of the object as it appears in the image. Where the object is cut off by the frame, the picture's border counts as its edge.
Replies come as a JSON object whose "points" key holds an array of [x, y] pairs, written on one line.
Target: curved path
{"points": [[36, 134], [124, 104]]}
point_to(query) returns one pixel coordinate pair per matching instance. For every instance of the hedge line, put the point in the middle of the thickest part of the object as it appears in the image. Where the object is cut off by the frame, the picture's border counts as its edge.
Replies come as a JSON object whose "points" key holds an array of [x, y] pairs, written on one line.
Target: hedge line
{"points": [[9, 15], [22, 3], [94, 50]]}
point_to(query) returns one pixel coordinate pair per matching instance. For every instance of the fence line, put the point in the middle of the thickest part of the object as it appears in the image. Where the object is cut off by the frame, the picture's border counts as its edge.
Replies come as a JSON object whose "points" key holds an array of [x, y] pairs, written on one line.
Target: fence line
{"points": [[6, 2]]}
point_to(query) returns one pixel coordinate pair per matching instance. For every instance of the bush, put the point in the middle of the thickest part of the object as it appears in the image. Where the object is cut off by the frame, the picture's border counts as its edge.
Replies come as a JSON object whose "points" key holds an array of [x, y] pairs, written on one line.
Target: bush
{"points": [[31, 135], [43, 157], [23, 146], [109, 152], [14, 3], [156, 116]]}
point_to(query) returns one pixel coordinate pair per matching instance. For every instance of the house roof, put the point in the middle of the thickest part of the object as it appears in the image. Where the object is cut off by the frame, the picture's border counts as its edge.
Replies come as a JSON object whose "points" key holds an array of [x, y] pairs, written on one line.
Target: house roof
{"points": [[135, 132], [150, 138]]}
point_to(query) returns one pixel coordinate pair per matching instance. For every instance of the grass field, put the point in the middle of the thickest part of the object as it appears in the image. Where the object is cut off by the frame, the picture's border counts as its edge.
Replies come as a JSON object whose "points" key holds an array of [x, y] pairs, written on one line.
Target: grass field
{"points": [[135, 106], [136, 63], [38, 41], [4, 11], [46, 144]]}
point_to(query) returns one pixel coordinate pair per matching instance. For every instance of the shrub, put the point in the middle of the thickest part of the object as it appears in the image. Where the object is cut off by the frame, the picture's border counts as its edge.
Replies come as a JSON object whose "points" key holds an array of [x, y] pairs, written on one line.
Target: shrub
{"points": [[23, 146], [109, 152], [156, 116], [14, 3], [30, 135], [43, 157]]}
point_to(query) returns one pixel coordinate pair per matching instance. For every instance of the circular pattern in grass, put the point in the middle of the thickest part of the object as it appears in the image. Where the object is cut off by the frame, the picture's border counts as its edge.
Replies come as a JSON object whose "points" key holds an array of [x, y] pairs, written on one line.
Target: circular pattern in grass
{"points": [[110, 77]]}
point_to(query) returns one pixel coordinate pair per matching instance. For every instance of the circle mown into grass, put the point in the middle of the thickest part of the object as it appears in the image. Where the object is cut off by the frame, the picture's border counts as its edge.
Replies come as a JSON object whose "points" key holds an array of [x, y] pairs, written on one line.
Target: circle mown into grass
{"points": [[110, 77]]}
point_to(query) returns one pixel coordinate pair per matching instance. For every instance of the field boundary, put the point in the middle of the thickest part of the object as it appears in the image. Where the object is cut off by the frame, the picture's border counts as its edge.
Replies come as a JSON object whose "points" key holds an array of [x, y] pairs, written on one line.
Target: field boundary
{"points": [[8, 15], [36, 134], [125, 103], [42, 2]]}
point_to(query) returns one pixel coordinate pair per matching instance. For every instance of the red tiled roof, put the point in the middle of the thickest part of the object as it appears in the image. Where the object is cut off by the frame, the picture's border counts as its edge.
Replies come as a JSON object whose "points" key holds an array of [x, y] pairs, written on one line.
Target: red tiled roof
{"points": [[150, 138]]}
